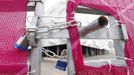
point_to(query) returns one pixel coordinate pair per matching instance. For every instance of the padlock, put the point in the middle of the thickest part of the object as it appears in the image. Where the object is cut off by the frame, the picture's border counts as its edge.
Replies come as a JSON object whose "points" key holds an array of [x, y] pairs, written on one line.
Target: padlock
{"points": [[22, 43], [61, 65]]}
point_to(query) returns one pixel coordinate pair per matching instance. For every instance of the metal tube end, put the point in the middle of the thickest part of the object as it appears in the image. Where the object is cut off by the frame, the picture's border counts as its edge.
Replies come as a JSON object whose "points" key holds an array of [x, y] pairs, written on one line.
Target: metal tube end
{"points": [[103, 21]]}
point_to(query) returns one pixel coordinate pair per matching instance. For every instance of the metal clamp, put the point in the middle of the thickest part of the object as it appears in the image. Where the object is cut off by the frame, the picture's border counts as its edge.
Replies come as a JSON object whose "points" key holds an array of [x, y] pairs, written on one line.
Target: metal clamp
{"points": [[32, 36]]}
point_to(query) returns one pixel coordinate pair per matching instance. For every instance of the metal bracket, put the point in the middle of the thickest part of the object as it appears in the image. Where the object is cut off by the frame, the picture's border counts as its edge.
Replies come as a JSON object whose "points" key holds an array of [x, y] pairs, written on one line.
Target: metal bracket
{"points": [[32, 4], [124, 32], [31, 37]]}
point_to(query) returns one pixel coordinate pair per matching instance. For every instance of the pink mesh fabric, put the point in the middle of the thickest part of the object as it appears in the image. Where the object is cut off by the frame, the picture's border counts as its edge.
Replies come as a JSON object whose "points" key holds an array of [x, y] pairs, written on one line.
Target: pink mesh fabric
{"points": [[123, 11], [103, 70], [12, 26]]}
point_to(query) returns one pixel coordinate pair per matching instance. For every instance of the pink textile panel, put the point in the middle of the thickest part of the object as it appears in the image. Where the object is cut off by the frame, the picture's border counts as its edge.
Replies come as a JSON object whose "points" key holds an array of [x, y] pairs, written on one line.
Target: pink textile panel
{"points": [[12, 26], [123, 11]]}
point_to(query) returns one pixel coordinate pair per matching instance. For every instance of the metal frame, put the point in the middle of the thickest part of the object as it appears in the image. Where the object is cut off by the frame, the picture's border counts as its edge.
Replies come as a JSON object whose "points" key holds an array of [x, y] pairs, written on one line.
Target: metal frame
{"points": [[119, 44], [117, 33], [34, 62], [71, 69], [82, 9], [106, 33]]}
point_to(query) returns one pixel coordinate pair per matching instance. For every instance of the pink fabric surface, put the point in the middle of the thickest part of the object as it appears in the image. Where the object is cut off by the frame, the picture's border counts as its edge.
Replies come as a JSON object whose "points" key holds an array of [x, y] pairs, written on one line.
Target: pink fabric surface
{"points": [[103, 70], [12, 26], [74, 37], [123, 11]]}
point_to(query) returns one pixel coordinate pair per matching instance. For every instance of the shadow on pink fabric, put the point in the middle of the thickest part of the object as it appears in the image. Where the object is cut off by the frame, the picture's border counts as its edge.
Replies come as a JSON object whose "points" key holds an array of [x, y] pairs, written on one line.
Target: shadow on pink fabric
{"points": [[123, 11], [12, 26]]}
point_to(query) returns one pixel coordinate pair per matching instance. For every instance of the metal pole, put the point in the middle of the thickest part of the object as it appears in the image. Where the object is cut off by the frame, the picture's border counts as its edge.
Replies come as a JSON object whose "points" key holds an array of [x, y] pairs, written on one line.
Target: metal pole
{"points": [[71, 69], [99, 23], [36, 53], [87, 54], [36, 60], [58, 50], [118, 44]]}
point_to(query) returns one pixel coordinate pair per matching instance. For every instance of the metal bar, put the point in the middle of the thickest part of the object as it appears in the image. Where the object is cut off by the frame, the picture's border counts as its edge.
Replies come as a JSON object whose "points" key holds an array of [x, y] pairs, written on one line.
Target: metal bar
{"points": [[124, 32], [71, 69], [98, 63], [36, 60], [97, 24], [118, 44], [39, 9], [119, 48], [58, 50], [87, 54], [86, 10], [36, 54], [105, 33]]}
